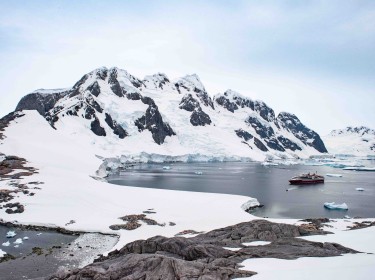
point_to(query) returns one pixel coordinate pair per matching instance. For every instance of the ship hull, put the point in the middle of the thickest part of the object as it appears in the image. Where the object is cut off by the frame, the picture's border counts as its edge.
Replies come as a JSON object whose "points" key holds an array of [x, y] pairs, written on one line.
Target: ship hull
{"points": [[305, 181]]}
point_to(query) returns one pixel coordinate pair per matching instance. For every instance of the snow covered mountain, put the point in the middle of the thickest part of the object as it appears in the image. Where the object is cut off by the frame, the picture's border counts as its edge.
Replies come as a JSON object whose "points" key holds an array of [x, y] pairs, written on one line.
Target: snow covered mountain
{"points": [[116, 114], [358, 141]]}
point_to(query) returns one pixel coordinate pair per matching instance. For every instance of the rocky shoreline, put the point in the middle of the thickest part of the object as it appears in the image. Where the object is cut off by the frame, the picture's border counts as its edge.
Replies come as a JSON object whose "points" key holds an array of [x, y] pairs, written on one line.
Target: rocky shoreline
{"points": [[205, 255]]}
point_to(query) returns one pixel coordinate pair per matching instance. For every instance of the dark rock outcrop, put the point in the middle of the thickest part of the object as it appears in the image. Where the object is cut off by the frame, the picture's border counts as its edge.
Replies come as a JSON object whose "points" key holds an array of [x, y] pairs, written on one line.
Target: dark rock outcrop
{"points": [[309, 137], [206, 99], [288, 144], [153, 122], [199, 118], [40, 101], [244, 134], [260, 145], [94, 89], [117, 129], [203, 256], [266, 132], [225, 102], [264, 111], [189, 103], [96, 128]]}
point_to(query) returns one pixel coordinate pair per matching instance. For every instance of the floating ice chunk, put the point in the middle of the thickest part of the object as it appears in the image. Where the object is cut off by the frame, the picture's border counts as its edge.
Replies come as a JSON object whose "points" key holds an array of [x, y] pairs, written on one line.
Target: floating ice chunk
{"points": [[39, 234], [26, 238], [6, 244], [346, 217], [334, 206], [360, 168], [167, 167], [198, 173], [359, 189], [334, 175], [11, 234], [269, 164], [16, 246], [2, 253], [251, 203], [18, 241]]}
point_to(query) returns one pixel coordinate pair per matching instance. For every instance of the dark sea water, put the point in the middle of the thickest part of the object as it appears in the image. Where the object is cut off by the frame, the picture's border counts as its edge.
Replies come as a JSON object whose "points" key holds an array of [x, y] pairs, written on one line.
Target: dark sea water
{"points": [[268, 184]]}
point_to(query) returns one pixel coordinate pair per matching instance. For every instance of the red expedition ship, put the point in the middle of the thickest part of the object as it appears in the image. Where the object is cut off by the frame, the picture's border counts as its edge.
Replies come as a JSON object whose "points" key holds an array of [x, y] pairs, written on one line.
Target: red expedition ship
{"points": [[307, 179]]}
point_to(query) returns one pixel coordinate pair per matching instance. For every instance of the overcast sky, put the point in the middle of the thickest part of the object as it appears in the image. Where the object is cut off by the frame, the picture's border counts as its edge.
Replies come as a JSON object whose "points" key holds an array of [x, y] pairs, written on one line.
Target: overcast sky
{"points": [[315, 59]]}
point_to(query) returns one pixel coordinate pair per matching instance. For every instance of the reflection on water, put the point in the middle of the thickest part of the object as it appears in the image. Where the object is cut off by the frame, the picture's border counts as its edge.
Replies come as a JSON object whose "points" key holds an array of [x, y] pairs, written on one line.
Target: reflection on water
{"points": [[268, 184]]}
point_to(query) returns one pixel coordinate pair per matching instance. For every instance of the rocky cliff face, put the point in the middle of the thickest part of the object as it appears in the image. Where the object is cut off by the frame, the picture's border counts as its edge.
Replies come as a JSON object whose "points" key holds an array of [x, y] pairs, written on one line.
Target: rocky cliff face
{"points": [[113, 105]]}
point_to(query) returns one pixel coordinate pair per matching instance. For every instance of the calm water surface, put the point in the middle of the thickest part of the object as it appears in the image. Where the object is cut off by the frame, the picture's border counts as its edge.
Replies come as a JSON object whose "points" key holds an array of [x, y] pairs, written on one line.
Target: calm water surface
{"points": [[267, 184]]}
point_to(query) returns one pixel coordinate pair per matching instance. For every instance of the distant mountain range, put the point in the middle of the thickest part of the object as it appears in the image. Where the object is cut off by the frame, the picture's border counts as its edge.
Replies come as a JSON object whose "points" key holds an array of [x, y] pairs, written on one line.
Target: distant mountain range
{"points": [[116, 113], [351, 140]]}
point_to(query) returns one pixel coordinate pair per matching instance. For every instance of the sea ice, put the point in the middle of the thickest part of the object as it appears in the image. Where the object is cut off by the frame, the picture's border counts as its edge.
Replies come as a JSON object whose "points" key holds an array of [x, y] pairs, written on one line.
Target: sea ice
{"points": [[16, 246], [360, 168], [334, 206], [334, 175], [269, 164], [346, 217], [18, 241], [39, 233], [198, 173], [11, 234], [167, 167], [6, 244], [26, 238], [359, 189], [2, 253]]}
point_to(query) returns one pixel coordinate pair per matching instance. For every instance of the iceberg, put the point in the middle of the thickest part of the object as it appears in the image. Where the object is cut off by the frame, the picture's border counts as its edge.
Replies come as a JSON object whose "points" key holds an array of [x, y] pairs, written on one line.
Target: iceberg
{"points": [[39, 234], [253, 202], [167, 167], [26, 238], [334, 175], [333, 206], [360, 168], [359, 189], [11, 234], [18, 241], [346, 217], [6, 244], [2, 253], [198, 173], [269, 164]]}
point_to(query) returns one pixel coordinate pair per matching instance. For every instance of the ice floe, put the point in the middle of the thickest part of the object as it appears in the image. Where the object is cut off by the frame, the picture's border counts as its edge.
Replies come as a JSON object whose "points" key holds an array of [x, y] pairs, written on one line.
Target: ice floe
{"points": [[6, 244], [251, 203], [360, 168], [334, 175], [334, 206], [167, 167], [11, 234], [359, 189], [198, 173], [18, 241], [2, 253]]}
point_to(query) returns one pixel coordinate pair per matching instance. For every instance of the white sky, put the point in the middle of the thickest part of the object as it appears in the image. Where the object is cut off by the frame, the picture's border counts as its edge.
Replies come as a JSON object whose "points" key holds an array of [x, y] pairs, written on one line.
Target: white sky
{"points": [[311, 58]]}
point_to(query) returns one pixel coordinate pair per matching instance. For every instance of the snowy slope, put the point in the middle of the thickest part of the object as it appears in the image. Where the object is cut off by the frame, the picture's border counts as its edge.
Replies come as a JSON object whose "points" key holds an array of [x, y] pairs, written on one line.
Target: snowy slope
{"points": [[68, 193], [119, 114], [359, 141]]}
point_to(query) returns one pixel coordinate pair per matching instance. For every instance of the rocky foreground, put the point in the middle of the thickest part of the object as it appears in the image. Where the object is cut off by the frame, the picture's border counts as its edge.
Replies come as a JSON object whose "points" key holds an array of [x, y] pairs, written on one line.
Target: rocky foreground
{"points": [[204, 256]]}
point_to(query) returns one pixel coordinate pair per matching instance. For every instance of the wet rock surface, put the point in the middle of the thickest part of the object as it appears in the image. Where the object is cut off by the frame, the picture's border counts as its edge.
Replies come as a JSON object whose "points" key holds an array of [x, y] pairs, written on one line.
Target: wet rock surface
{"points": [[203, 256]]}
